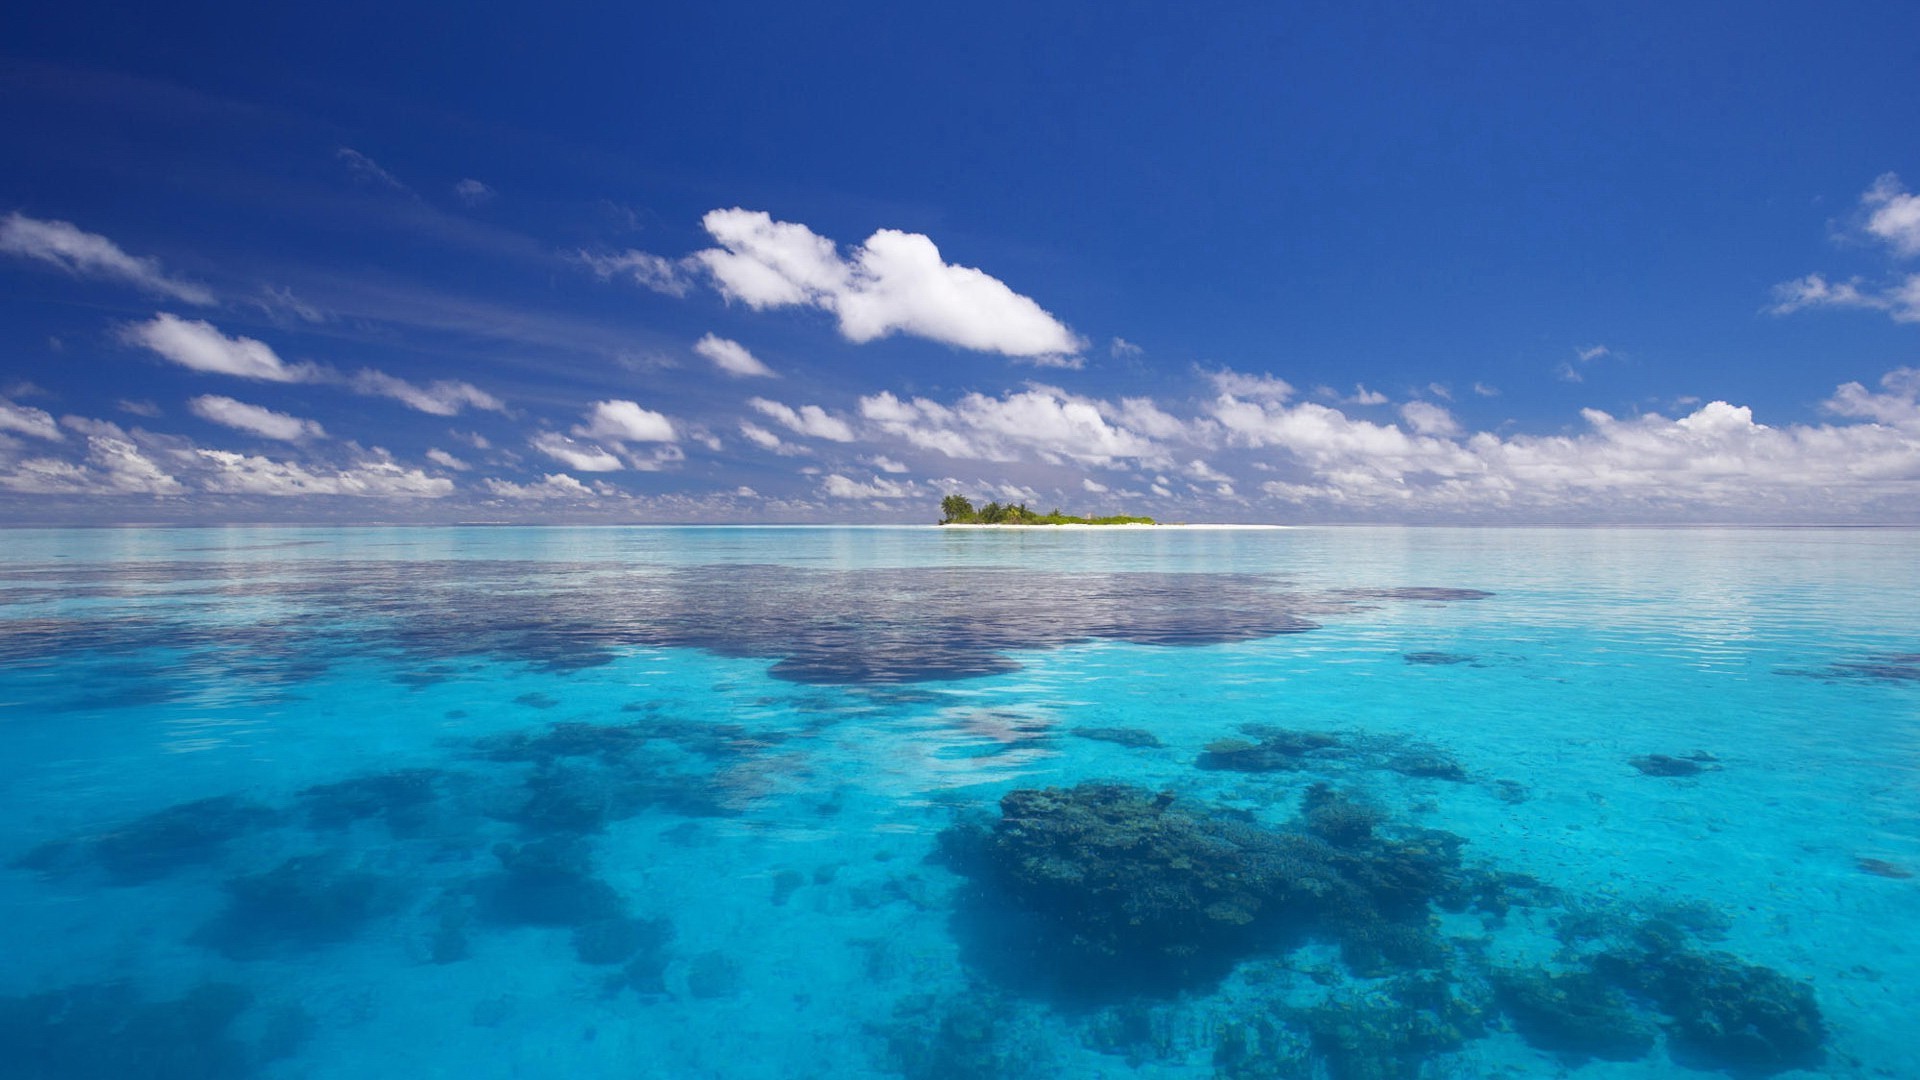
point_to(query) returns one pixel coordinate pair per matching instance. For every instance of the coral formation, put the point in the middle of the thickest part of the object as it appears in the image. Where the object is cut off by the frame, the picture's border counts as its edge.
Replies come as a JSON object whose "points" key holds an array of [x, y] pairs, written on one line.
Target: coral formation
{"points": [[191, 834], [975, 1035], [547, 883], [616, 941], [306, 902], [1135, 888], [106, 1032], [403, 798], [1725, 1013], [1576, 1015], [1131, 738], [1270, 749], [1390, 1032], [1436, 659], [1663, 765]]}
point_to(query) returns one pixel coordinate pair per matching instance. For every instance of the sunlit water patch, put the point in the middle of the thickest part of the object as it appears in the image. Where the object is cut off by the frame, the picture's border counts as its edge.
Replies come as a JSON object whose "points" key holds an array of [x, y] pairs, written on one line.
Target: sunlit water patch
{"points": [[657, 802]]}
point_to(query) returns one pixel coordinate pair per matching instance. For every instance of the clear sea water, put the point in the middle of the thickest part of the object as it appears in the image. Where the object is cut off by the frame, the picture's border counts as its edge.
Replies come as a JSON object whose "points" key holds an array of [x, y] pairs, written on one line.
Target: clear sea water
{"points": [[689, 802]]}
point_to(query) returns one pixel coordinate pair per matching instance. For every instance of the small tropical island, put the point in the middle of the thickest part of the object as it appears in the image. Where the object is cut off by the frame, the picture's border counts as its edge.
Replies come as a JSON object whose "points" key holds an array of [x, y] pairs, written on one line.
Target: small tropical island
{"points": [[959, 510]]}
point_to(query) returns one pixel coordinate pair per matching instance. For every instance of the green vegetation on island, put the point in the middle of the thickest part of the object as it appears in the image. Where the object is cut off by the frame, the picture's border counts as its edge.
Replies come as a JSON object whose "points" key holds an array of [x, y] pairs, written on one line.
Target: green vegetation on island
{"points": [[958, 510]]}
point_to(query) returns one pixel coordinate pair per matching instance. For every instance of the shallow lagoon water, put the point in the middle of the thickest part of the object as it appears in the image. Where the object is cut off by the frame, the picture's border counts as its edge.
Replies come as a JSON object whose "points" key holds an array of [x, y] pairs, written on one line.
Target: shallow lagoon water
{"points": [[728, 802]]}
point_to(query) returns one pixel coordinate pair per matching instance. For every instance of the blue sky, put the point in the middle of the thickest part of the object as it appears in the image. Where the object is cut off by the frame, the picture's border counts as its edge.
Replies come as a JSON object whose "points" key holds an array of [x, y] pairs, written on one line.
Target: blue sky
{"points": [[1286, 263]]}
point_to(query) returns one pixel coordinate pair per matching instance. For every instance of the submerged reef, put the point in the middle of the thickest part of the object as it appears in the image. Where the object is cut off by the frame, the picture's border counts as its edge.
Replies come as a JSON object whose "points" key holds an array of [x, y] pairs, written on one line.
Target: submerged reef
{"points": [[107, 1032], [1136, 889], [1438, 659], [1661, 765], [1262, 748], [1723, 1012], [975, 1035], [547, 883], [1892, 668], [1131, 738], [1390, 1032], [1107, 892], [305, 903], [404, 799], [191, 834], [1576, 1016]]}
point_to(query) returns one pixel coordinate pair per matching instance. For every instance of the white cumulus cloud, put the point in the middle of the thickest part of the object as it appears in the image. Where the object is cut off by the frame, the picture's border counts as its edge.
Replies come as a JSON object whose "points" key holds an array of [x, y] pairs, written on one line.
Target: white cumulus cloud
{"points": [[1043, 421], [114, 465], [731, 357], [85, 254], [447, 461], [581, 457], [27, 420], [1893, 215], [809, 420], [878, 487], [896, 282], [242, 474], [624, 422], [442, 397], [256, 419], [198, 345], [550, 486]]}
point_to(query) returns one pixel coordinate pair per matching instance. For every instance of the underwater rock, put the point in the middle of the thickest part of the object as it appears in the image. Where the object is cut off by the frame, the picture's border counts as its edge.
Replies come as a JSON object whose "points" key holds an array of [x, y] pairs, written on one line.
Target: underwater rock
{"points": [[1262, 1047], [305, 903], [571, 800], [977, 1035], [1269, 749], [1895, 668], [713, 975], [1131, 738], [1662, 765], [1426, 762], [1725, 1013], [608, 742], [1883, 868], [105, 1032], [1390, 1032], [1129, 888], [1132, 881], [785, 883], [1576, 1015], [403, 798], [191, 834], [1436, 659], [536, 700], [547, 883], [615, 941], [1337, 818]]}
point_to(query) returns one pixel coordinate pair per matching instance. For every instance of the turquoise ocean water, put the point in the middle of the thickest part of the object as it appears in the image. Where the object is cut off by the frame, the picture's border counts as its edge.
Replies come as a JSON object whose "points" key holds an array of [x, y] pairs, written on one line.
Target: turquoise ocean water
{"points": [[1312, 803]]}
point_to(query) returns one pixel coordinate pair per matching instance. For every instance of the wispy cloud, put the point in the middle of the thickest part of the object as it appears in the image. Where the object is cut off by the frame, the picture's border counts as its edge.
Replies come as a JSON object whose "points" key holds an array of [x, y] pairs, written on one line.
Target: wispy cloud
{"points": [[473, 193], [667, 276], [809, 420], [90, 255], [732, 357], [198, 345], [369, 170], [27, 420], [1891, 217], [254, 419]]}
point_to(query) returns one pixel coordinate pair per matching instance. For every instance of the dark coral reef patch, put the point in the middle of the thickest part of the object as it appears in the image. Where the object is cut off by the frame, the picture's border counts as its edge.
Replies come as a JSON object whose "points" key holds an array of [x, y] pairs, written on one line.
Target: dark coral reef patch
{"points": [[108, 1032], [1141, 890]]}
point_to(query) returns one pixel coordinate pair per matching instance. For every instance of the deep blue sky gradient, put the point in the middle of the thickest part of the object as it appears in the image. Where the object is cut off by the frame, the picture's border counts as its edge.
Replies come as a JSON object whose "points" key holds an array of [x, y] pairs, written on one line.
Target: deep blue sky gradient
{"points": [[1339, 193]]}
